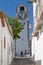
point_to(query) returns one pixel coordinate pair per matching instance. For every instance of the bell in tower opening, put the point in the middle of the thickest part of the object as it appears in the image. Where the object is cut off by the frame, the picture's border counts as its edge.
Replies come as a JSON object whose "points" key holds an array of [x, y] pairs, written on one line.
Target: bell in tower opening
{"points": [[22, 45], [22, 8], [22, 12]]}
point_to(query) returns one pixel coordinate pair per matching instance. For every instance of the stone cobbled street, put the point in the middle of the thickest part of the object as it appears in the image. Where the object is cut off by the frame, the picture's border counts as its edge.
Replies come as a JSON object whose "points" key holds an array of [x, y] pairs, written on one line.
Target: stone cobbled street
{"points": [[22, 61]]}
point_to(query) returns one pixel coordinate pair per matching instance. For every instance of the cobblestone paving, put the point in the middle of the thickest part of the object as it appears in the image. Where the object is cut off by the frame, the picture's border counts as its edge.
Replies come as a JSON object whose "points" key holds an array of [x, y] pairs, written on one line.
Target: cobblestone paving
{"points": [[20, 61]]}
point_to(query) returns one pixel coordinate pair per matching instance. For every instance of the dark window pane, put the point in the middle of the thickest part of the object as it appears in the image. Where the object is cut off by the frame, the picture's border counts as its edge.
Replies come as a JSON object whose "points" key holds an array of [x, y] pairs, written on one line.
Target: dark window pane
{"points": [[22, 8]]}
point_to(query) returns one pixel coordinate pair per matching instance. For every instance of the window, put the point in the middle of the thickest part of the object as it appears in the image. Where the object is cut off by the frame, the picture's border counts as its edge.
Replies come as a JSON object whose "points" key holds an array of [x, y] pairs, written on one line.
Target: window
{"points": [[22, 8], [4, 42]]}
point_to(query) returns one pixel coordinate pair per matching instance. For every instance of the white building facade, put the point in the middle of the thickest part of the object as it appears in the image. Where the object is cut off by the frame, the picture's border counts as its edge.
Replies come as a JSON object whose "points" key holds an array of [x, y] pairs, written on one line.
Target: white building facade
{"points": [[37, 39], [6, 41]]}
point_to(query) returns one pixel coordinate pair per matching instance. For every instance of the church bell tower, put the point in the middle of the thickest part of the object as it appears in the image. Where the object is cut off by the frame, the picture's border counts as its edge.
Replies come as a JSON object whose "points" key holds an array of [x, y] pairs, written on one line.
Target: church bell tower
{"points": [[23, 42]]}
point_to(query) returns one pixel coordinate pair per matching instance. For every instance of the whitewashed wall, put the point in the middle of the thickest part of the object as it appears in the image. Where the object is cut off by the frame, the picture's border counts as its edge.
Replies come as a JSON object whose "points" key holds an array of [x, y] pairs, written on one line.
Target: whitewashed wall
{"points": [[7, 53], [34, 9], [0, 46], [34, 42], [37, 48]]}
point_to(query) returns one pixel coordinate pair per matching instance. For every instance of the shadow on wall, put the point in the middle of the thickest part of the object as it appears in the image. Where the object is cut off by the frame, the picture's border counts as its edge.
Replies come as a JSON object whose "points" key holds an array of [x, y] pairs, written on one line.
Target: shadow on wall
{"points": [[38, 62], [33, 58]]}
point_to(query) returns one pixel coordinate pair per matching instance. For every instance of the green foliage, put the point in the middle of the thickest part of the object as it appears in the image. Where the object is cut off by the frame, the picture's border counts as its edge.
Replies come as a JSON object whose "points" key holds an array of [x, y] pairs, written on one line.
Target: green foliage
{"points": [[17, 27]]}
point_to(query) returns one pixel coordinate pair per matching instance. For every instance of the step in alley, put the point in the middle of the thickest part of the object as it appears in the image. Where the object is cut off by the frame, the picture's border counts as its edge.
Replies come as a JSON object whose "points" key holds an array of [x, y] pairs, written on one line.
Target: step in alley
{"points": [[22, 61]]}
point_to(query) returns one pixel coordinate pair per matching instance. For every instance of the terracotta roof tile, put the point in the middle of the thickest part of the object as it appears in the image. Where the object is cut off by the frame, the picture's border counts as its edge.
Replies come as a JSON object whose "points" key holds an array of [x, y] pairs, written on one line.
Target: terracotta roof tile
{"points": [[2, 18]]}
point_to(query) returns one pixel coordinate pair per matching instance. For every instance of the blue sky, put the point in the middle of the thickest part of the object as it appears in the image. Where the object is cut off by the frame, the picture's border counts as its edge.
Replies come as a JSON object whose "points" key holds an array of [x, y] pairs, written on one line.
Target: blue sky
{"points": [[9, 7]]}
